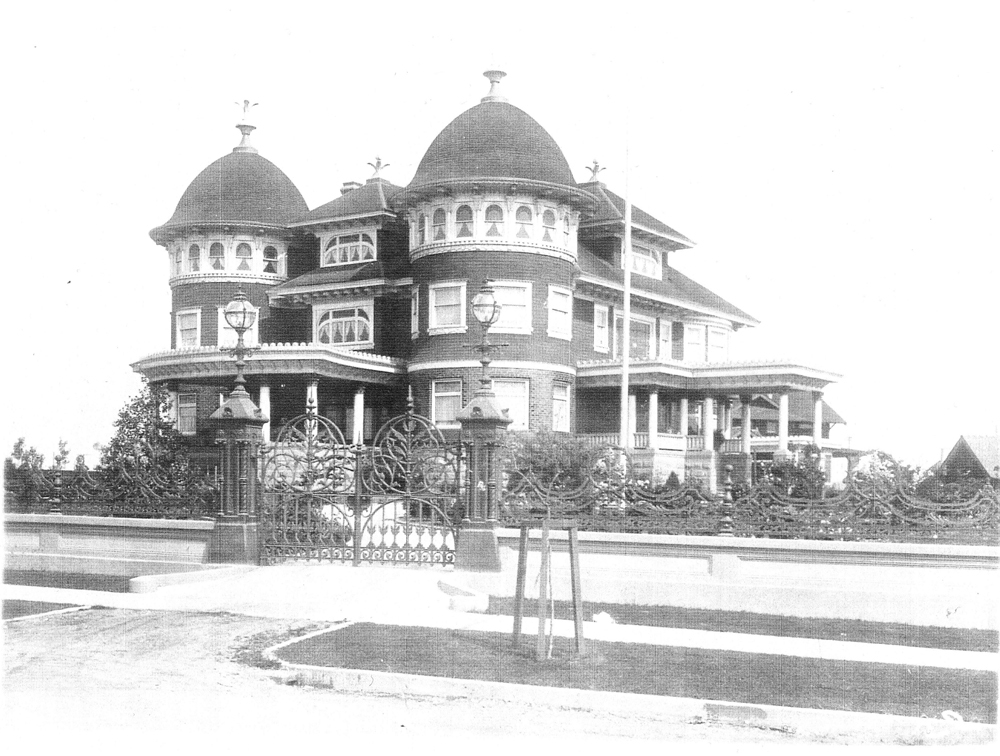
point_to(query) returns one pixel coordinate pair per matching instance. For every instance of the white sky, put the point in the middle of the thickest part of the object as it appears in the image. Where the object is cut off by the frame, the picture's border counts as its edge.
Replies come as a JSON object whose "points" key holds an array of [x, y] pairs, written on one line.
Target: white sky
{"points": [[835, 162]]}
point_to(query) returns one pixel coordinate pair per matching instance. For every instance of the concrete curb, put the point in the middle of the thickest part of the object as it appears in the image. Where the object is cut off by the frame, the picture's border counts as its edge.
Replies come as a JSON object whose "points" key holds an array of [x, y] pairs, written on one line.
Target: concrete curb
{"points": [[858, 727], [150, 583], [67, 610]]}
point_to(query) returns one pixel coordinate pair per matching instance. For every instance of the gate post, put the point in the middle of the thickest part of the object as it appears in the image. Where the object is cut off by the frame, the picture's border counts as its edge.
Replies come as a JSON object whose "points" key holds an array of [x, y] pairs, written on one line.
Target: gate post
{"points": [[239, 422], [483, 425]]}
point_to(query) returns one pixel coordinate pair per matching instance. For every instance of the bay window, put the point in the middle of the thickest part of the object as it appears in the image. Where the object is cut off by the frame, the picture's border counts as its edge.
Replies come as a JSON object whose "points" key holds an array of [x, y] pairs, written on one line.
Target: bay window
{"points": [[347, 249]]}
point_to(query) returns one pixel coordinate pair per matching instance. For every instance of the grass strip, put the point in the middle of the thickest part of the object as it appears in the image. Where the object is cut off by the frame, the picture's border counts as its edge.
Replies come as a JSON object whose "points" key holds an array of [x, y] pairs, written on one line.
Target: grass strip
{"points": [[658, 670], [858, 631], [72, 580], [13, 608]]}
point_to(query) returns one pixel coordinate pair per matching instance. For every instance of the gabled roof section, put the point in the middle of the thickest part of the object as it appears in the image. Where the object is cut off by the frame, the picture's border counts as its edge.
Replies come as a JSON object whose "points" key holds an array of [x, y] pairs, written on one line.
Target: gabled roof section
{"points": [[800, 408], [677, 290], [611, 210], [985, 449], [365, 201]]}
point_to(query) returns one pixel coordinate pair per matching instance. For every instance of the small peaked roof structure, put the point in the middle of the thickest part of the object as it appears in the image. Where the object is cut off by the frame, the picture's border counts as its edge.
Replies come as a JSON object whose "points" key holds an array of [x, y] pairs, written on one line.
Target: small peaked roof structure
{"points": [[800, 409], [973, 457], [365, 200], [610, 210]]}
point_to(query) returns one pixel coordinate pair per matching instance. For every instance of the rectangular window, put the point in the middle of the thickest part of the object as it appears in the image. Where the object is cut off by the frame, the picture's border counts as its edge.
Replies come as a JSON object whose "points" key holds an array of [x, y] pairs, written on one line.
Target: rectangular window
{"points": [[512, 396], [447, 308], [665, 346], [560, 407], [600, 328], [189, 328], [718, 345], [227, 336], [178, 262], [187, 411], [640, 336], [560, 313], [348, 325], [694, 343], [414, 312], [446, 401], [677, 341], [515, 307]]}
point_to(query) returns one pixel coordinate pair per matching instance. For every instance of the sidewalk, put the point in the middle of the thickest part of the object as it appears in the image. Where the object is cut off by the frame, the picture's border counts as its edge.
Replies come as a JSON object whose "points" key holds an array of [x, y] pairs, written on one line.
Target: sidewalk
{"points": [[404, 595]]}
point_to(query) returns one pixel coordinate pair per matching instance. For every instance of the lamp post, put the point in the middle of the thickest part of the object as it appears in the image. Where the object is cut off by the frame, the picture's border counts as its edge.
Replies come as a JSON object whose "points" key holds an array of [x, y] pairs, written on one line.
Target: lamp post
{"points": [[239, 422], [483, 426]]}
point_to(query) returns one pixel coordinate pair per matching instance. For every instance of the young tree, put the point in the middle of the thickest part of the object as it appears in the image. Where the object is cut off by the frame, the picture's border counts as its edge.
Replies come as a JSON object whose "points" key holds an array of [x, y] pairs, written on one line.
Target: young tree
{"points": [[144, 428], [61, 457], [19, 472]]}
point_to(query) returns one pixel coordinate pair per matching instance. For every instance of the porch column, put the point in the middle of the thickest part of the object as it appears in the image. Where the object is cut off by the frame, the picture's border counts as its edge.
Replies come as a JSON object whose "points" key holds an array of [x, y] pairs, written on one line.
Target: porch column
{"points": [[818, 418], [684, 417], [358, 436], [708, 422], [312, 395], [264, 402], [632, 414], [783, 424], [654, 418], [746, 430], [727, 425]]}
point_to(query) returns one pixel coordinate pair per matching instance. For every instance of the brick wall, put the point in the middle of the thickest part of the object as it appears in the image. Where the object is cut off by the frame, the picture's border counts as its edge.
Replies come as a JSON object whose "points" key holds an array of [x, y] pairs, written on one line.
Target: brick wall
{"points": [[209, 296]]}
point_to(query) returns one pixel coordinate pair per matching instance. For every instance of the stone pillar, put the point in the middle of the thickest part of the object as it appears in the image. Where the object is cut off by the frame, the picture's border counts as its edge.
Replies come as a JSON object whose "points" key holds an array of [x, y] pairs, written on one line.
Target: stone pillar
{"points": [[746, 433], [358, 436], [818, 418], [653, 426], [238, 422], [782, 425], [629, 442], [684, 416], [483, 428], [708, 422], [265, 408]]}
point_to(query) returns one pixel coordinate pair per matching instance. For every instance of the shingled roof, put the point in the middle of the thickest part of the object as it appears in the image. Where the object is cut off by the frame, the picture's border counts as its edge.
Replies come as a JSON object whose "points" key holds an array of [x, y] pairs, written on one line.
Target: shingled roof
{"points": [[369, 199], [611, 209], [677, 287]]}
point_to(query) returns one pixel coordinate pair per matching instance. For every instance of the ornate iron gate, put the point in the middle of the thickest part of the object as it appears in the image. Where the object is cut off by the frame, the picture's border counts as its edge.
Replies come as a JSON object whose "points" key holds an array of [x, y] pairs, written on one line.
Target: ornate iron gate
{"points": [[396, 501]]}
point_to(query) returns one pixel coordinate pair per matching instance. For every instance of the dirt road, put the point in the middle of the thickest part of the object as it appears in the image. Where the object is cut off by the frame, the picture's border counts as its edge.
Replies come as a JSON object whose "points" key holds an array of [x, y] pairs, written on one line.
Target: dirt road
{"points": [[125, 672]]}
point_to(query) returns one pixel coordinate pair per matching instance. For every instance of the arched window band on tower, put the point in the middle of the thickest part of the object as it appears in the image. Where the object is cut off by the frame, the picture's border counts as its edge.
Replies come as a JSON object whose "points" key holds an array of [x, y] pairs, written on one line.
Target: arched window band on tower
{"points": [[494, 220]]}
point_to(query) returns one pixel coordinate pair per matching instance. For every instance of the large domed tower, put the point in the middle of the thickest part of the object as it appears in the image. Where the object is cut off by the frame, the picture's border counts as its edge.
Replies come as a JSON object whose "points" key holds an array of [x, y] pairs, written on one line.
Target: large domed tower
{"points": [[494, 198]]}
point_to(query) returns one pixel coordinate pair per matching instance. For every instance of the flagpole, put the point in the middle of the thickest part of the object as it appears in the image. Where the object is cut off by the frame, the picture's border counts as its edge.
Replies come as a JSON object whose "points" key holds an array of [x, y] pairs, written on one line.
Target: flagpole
{"points": [[624, 430]]}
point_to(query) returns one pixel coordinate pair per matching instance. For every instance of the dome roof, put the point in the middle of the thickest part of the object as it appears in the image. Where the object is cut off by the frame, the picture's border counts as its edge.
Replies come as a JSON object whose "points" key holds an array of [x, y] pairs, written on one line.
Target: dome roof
{"points": [[241, 188], [493, 140]]}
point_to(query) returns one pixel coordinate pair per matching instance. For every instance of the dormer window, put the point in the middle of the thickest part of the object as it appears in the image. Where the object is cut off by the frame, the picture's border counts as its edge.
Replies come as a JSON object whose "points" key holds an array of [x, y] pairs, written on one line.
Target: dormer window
{"points": [[440, 219], [270, 259], [347, 249], [646, 262], [217, 256], [463, 217], [348, 326], [494, 220], [523, 218], [549, 226], [243, 255], [194, 258]]}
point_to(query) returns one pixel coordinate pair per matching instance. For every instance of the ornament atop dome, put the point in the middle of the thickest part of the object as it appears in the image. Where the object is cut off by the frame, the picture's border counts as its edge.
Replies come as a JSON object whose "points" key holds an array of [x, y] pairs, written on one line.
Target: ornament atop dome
{"points": [[245, 128], [494, 95]]}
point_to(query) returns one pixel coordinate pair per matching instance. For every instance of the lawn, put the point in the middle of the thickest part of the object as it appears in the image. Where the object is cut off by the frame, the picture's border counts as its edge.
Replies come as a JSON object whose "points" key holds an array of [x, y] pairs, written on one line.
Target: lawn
{"points": [[72, 580], [890, 633], [17, 608], [657, 670]]}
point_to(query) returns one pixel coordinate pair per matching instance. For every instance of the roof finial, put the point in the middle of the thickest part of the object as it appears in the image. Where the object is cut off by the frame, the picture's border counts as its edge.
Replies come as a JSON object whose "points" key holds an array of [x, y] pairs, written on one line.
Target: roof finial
{"points": [[378, 165], [594, 170], [245, 128], [494, 77]]}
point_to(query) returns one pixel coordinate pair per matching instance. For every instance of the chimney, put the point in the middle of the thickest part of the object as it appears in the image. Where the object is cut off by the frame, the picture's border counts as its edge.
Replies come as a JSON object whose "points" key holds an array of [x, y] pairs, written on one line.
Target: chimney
{"points": [[349, 186]]}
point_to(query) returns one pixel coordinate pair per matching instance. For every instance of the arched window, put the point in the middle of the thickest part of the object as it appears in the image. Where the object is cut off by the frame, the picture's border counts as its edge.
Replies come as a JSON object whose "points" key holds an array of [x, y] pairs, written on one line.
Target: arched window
{"points": [[347, 326], [194, 258], [270, 259], [422, 229], [523, 218], [350, 248], [217, 256], [244, 254], [494, 220], [439, 224], [549, 226], [463, 217]]}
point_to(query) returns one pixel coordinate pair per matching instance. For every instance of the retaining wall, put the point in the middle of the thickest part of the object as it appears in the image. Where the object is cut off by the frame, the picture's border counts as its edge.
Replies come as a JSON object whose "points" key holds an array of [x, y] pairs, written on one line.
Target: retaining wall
{"points": [[923, 584], [125, 547]]}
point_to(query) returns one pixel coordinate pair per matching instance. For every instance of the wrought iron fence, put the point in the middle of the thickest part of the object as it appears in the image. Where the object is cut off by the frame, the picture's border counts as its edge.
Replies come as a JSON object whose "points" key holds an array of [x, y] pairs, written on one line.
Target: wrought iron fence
{"points": [[142, 485]]}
